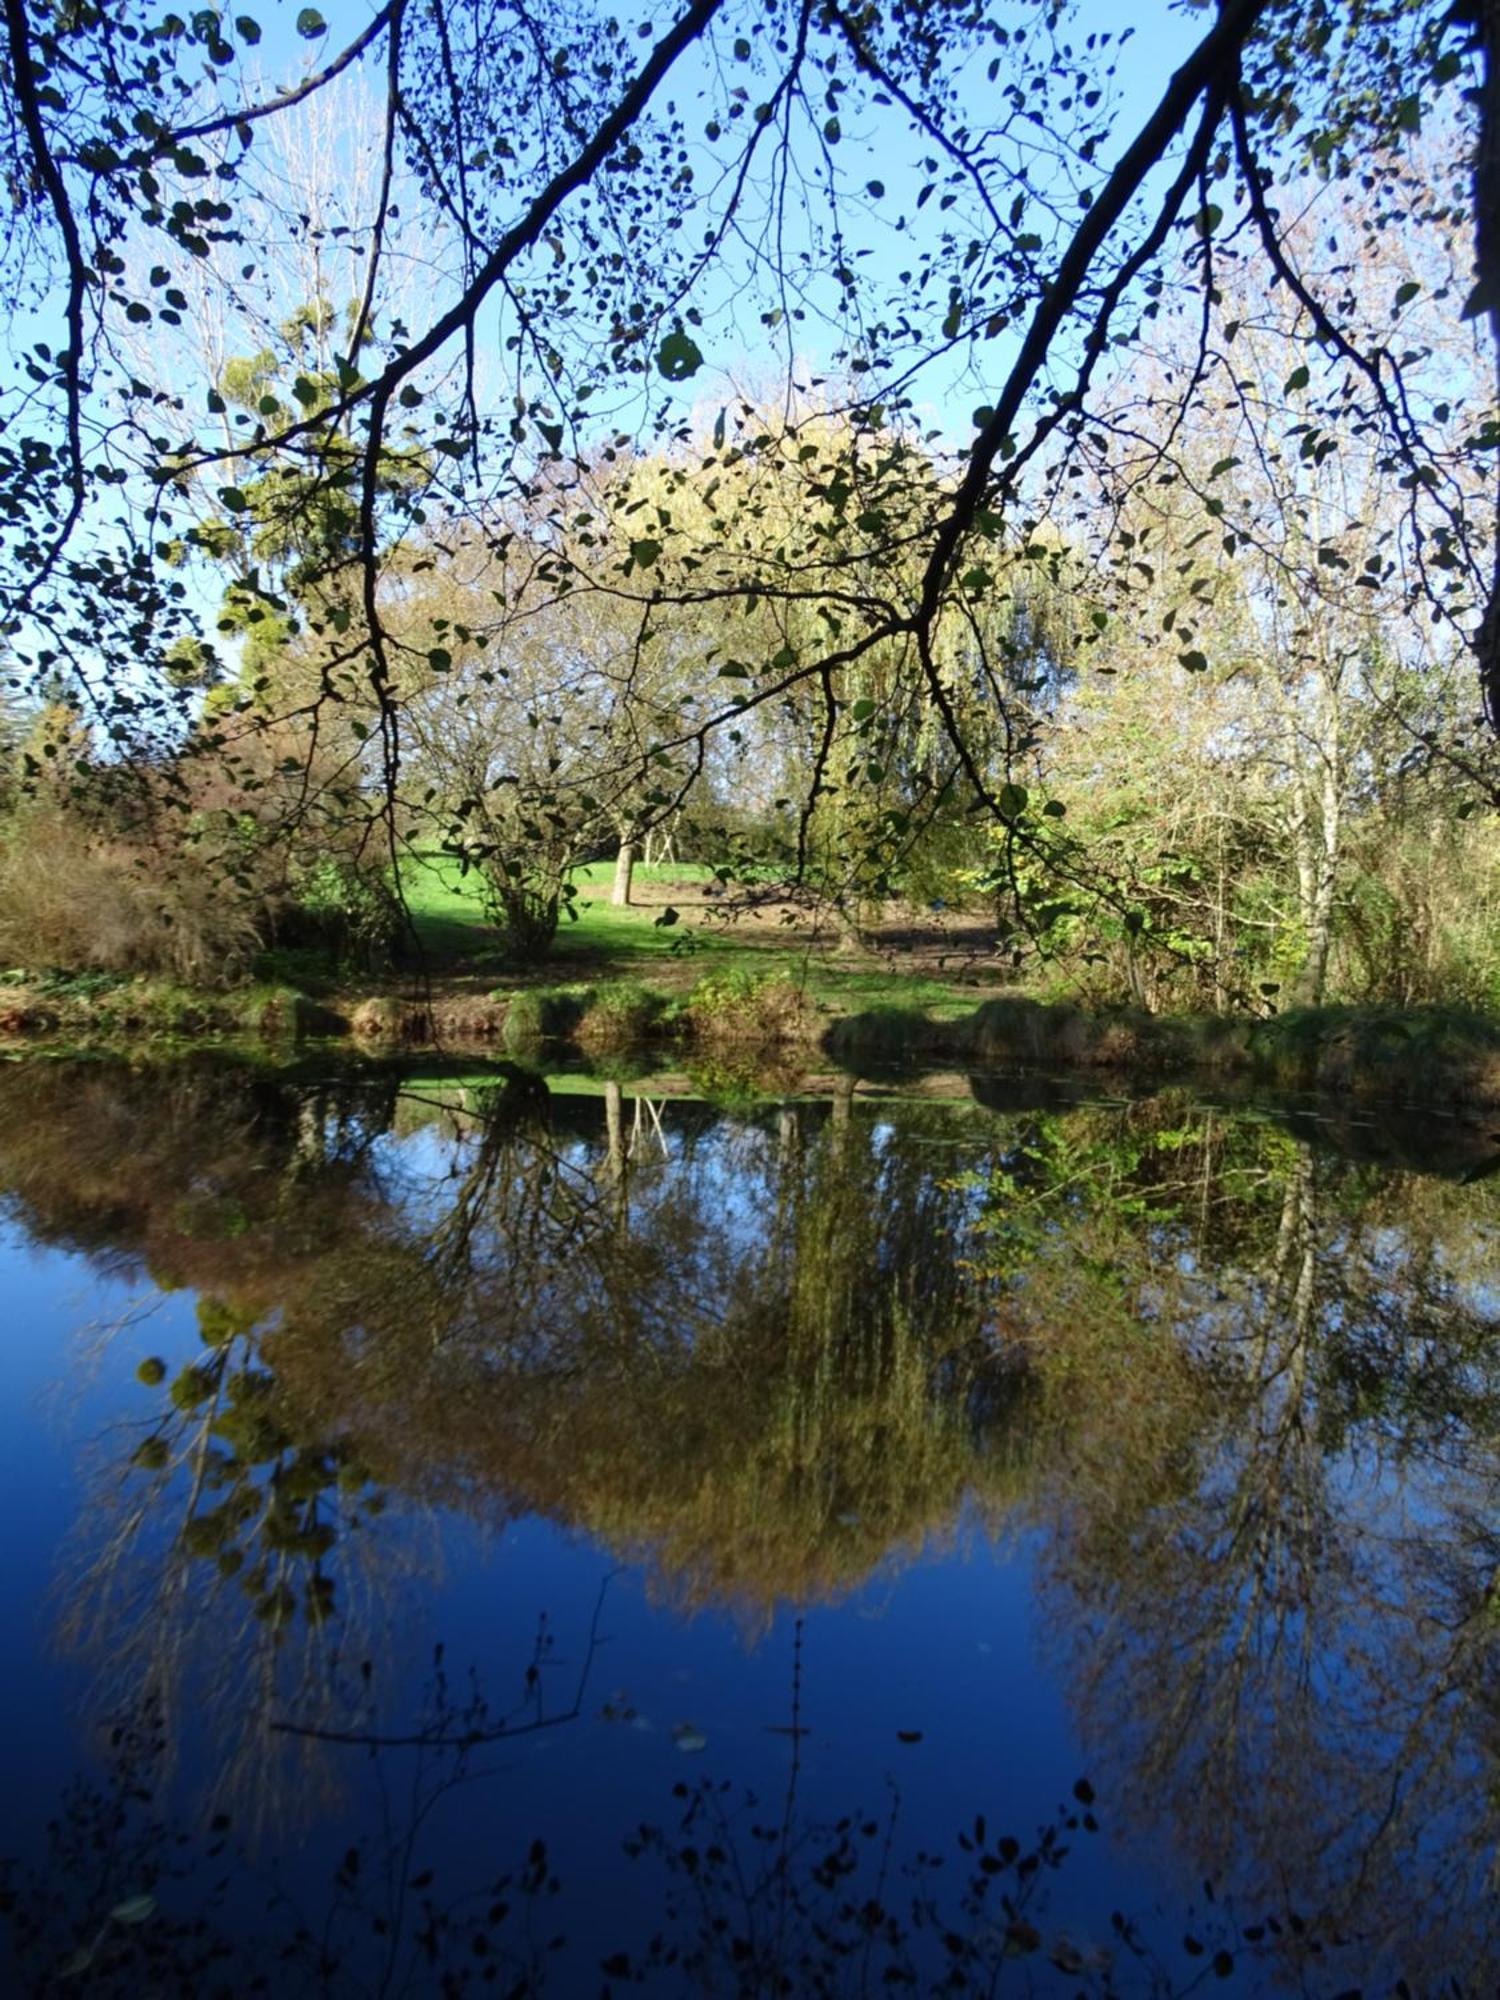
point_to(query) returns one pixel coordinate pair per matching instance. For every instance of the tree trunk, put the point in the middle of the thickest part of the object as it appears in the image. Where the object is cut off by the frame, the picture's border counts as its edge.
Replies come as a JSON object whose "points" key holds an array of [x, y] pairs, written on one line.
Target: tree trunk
{"points": [[619, 895], [1320, 835], [1485, 14], [850, 934], [1313, 750], [1135, 977]]}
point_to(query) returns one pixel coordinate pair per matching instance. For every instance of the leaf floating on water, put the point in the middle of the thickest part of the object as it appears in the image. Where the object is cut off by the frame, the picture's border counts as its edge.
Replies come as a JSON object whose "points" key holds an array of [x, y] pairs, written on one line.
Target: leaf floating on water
{"points": [[908, 1735], [134, 1910], [689, 1739]]}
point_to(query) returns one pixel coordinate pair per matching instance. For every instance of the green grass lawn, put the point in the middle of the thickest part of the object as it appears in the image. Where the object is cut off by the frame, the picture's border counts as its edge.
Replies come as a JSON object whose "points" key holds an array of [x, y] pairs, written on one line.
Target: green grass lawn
{"points": [[448, 912], [610, 943]]}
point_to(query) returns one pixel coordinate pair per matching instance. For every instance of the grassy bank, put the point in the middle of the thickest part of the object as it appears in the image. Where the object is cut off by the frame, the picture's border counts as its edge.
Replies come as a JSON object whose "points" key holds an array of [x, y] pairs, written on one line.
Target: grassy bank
{"points": [[755, 1013], [708, 973], [1395, 1054]]}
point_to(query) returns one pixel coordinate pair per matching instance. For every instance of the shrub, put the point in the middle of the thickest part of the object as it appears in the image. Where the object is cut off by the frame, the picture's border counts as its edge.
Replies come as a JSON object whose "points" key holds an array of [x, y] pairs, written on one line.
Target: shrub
{"points": [[382, 1019], [539, 1015], [619, 1016], [76, 898], [525, 905], [889, 1038], [281, 1011], [348, 910], [746, 1007]]}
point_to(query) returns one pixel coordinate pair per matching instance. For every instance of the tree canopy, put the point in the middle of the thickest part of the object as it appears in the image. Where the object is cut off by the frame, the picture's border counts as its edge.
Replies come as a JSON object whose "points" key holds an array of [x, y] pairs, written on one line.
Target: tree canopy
{"points": [[300, 307]]}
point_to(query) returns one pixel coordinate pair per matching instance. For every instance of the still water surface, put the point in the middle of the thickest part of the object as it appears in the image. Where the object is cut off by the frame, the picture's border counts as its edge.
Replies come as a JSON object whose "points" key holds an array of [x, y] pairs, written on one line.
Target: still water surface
{"points": [[471, 1531]]}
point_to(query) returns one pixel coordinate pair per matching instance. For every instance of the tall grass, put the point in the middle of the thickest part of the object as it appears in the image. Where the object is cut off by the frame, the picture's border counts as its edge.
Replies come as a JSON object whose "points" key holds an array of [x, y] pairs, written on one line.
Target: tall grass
{"points": [[86, 901]]}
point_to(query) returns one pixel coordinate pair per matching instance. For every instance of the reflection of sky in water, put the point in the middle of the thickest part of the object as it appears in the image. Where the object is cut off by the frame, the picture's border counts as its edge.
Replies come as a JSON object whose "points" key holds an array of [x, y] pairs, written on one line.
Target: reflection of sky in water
{"points": [[984, 1649]]}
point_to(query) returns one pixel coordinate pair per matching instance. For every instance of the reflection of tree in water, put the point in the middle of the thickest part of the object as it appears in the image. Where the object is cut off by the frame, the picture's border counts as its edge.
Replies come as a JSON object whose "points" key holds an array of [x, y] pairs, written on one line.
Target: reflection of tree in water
{"points": [[738, 1895], [223, 1551], [726, 1343], [1248, 1393], [745, 1345], [760, 1366], [1272, 1398]]}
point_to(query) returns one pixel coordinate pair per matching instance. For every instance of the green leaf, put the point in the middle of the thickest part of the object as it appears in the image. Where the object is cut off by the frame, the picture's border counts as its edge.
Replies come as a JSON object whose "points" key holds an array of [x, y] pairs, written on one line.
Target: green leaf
{"points": [[1194, 661], [1409, 114], [679, 357], [1054, 809], [863, 709], [1208, 218], [668, 917], [1407, 292], [645, 552], [248, 29], [232, 498], [310, 24], [1298, 379], [439, 659], [1012, 801]]}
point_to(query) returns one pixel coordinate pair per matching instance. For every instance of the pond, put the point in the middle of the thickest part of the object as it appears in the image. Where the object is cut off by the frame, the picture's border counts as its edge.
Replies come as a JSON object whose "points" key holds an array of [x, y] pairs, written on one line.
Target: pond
{"points": [[474, 1530]]}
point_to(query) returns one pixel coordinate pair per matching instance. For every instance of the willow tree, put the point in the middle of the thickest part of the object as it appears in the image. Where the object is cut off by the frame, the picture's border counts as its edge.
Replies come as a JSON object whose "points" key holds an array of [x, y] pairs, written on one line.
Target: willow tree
{"points": [[611, 216]]}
